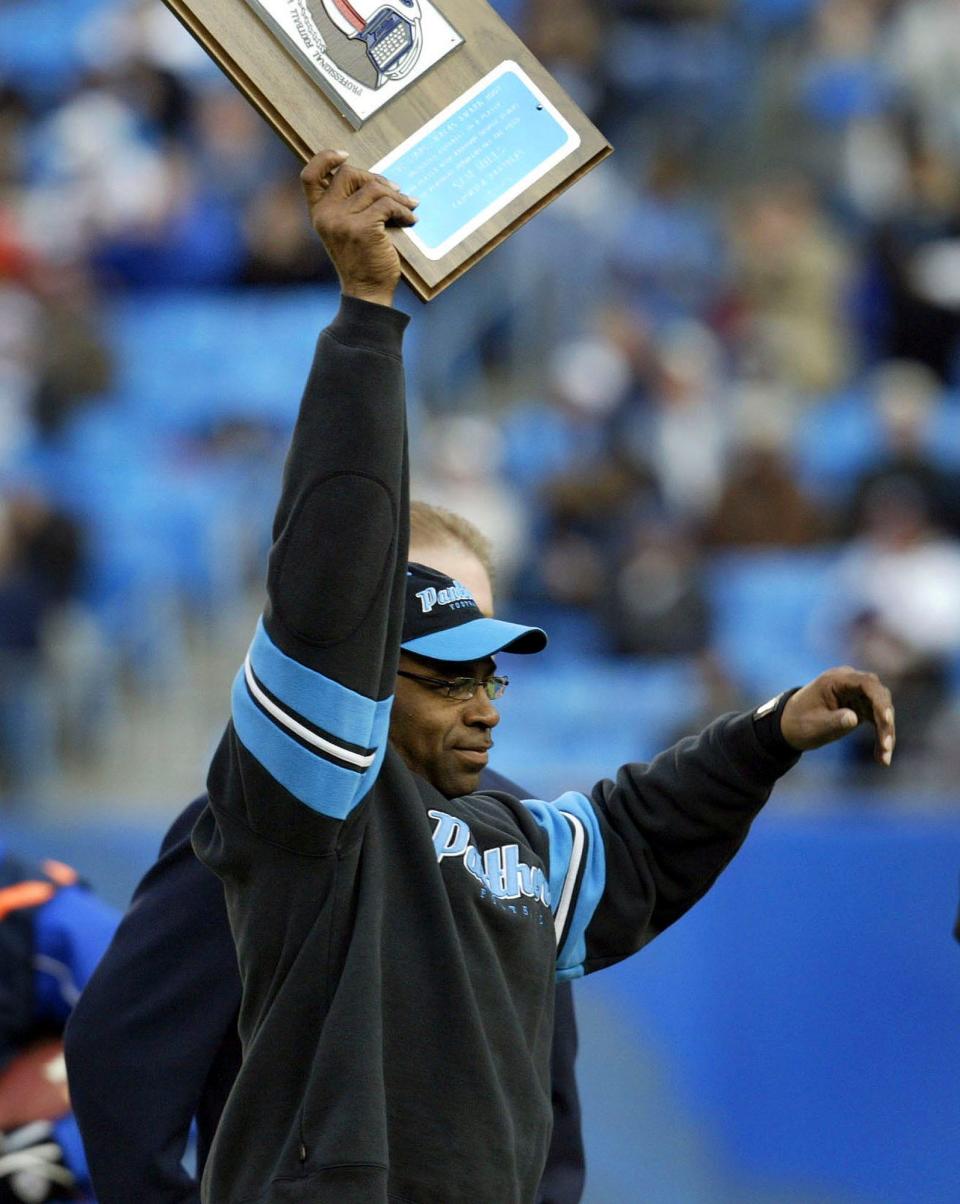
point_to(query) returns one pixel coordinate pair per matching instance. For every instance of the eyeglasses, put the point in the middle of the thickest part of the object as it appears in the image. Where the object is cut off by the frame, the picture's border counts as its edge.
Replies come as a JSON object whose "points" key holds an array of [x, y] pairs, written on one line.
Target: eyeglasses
{"points": [[461, 689]]}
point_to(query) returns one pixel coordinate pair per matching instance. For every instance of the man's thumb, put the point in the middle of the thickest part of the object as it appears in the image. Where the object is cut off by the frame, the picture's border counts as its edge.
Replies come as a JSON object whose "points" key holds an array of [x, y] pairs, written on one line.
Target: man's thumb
{"points": [[846, 720]]}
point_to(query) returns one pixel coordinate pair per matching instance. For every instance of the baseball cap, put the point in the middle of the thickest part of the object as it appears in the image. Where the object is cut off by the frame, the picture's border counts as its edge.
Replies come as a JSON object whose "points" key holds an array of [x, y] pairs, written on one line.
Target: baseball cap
{"points": [[443, 622]]}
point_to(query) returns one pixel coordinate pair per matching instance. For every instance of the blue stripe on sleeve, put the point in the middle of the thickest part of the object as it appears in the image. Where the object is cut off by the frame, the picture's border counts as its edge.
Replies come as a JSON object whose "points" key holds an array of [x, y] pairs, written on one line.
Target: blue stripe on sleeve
{"points": [[309, 777], [592, 868], [325, 703], [560, 839]]}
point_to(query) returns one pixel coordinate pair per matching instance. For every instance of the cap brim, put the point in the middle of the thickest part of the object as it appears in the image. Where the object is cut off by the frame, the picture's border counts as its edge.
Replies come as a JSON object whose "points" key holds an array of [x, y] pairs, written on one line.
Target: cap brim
{"points": [[477, 639]]}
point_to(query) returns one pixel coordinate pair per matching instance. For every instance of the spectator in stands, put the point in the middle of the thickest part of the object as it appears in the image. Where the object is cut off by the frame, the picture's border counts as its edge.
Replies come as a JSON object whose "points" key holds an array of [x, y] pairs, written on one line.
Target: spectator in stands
{"points": [[666, 247], [591, 507], [655, 602], [117, 32], [846, 78], [53, 353], [278, 248], [165, 104], [761, 503], [97, 175], [40, 558], [19, 324], [683, 432], [14, 131], [563, 456], [568, 429], [899, 596], [233, 145], [567, 37], [790, 277], [589, 517], [905, 396], [913, 319], [72, 361], [48, 548], [923, 53], [191, 238]]}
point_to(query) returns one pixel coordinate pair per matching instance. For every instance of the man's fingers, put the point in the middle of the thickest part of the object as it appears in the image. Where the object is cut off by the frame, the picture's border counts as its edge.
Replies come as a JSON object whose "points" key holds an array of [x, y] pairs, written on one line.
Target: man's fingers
{"points": [[376, 188], [392, 212], [318, 174], [349, 209], [873, 702], [827, 725], [833, 705], [364, 186], [882, 717], [327, 172], [846, 720], [885, 723]]}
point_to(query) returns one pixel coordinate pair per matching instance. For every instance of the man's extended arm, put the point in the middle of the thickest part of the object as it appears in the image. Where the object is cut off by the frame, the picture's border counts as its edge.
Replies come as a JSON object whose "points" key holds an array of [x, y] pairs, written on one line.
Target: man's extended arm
{"points": [[311, 705], [629, 860]]}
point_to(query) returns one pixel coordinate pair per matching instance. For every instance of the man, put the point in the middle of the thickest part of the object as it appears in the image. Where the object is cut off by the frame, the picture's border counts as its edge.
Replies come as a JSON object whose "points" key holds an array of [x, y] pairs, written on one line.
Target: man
{"points": [[397, 932], [52, 933], [153, 1040]]}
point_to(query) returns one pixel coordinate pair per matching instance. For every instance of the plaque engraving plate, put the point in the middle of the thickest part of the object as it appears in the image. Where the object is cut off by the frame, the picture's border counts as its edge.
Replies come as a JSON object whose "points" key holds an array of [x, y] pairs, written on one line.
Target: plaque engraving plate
{"points": [[477, 155]]}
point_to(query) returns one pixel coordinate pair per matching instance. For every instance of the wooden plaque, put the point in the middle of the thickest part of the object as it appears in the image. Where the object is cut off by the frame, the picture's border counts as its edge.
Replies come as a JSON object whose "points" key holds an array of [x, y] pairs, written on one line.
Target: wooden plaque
{"points": [[460, 115]]}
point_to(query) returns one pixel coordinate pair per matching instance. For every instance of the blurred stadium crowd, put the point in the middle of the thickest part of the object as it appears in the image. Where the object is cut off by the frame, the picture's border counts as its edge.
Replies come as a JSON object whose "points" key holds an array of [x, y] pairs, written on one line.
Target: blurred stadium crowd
{"points": [[706, 404]]}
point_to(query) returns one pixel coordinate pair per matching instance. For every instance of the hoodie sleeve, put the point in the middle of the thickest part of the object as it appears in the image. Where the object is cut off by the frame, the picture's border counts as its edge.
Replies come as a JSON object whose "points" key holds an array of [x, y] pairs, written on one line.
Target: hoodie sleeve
{"points": [[631, 858], [311, 704]]}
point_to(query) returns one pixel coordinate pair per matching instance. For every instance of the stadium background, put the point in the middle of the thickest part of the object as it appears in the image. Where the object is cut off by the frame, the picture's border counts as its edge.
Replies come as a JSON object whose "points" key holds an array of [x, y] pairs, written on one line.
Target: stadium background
{"points": [[707, 406]]}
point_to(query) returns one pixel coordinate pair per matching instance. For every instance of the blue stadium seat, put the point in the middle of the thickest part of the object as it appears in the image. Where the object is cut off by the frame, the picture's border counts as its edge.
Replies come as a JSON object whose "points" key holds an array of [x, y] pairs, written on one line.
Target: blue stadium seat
{"points": [[835, 441], [38, 38], [766, 17], [170, 351], [766, 609], [588, 718], [943, 437]]}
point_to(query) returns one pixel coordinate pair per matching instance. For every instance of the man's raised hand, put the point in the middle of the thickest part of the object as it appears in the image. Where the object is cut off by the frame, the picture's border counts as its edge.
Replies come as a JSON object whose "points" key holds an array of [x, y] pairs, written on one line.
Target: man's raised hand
{"points": [[350, 210], [835, 703]]}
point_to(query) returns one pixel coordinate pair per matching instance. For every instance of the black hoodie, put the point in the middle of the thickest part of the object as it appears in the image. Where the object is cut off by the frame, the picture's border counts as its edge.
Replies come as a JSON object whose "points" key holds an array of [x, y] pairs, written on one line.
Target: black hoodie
{"points": [[398, 948]]}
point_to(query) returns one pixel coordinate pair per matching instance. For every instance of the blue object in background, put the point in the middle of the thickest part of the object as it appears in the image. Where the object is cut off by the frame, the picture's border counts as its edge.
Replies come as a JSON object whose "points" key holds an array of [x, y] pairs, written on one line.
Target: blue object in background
{"points": [[835, 442], [200, 356], [766, 607], [38, 41], [838, 91], [586, 718]]}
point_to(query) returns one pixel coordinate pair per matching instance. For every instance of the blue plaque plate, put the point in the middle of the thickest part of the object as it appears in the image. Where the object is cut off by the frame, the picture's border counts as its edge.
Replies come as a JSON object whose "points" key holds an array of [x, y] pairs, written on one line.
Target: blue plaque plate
{"points": [[477, 155]]}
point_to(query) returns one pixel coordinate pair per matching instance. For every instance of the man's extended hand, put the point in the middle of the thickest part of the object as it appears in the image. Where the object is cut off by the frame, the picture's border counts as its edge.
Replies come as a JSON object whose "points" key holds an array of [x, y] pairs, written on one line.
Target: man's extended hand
{"points": [[350, 210], [836, 702]]}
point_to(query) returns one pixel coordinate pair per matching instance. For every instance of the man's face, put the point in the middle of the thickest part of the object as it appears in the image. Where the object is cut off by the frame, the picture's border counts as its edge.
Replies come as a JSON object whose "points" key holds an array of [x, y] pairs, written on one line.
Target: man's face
{"points": [[442, 739], [445, 740]]}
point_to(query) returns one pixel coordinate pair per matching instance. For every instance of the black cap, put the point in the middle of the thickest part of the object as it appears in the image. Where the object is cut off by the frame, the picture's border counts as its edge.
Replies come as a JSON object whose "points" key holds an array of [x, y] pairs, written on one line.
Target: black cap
{"points": [[443, 622]]}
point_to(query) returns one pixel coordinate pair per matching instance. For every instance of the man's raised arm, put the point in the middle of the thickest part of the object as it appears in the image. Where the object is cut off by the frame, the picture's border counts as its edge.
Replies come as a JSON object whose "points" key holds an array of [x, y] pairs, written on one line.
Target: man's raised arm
{"points": [[310, 707]]}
